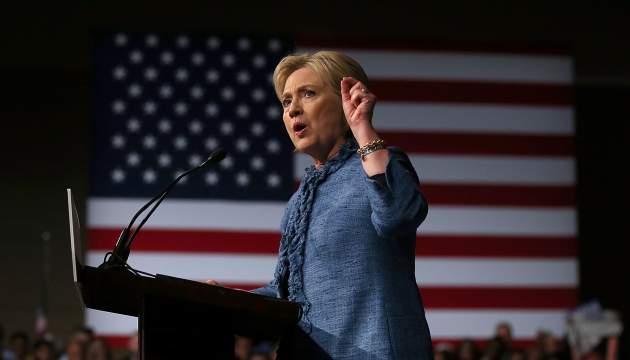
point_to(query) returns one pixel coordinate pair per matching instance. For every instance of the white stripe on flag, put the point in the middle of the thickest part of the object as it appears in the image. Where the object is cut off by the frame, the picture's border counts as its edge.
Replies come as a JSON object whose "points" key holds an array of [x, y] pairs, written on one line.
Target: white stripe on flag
{"points": [[446, 324], [484, 272], [265, 216], [509, 221], [427, 65], [430, 271], [109, 323], [481, 324], [530, 170], [453, 118], [189, 214]]}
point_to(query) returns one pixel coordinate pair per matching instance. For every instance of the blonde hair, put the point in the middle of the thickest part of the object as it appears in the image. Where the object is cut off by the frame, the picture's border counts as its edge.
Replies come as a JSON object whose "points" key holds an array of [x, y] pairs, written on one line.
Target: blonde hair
{"points": [[331, 66]]}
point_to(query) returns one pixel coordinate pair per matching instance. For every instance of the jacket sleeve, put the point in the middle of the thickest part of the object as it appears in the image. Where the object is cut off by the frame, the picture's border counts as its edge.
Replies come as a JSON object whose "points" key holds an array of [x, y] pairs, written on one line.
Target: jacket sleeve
{"points": [[267, 290], [398, 205]]}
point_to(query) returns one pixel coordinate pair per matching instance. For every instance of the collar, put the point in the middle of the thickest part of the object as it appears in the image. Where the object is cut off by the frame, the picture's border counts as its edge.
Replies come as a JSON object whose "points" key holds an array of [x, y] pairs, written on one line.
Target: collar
{"points": [[345, 151]]}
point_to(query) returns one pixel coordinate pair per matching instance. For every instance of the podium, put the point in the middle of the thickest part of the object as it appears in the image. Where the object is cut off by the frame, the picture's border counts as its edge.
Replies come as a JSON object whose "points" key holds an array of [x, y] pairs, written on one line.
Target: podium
{"points": [[179, 318]]}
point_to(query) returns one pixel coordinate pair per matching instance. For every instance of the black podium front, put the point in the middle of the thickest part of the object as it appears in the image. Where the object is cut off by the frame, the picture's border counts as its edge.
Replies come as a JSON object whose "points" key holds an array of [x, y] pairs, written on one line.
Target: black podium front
{"points": [[178, 318], [183, 319]]}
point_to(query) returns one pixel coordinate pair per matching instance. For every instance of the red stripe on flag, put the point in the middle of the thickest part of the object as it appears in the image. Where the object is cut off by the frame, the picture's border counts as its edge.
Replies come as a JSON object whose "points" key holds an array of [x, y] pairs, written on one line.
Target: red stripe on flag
{"points": [[115, 341], [472, 92], [267, 243], [489, 246], [483, 297], [121, 341], [499, 195], [163, 240], [486, 144], [498, 298]]}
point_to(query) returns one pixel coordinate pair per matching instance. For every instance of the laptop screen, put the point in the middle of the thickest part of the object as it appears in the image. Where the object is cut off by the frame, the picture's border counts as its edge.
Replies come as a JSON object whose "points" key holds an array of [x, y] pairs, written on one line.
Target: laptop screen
{"points": [[75, 237]]}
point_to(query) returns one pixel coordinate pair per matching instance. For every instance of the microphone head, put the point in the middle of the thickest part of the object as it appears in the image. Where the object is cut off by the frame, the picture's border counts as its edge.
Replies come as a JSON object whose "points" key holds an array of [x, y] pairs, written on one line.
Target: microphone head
{"points": [[216, 156]]}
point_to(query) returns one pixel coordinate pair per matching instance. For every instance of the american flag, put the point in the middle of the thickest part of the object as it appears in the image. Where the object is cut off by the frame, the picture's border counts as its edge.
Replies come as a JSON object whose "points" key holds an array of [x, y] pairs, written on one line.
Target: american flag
{"points": [[489, 133]]}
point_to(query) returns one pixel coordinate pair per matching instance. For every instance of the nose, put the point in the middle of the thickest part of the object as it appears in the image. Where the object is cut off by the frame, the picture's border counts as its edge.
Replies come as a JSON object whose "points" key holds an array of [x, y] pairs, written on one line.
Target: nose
{"points": [[295, 108]]}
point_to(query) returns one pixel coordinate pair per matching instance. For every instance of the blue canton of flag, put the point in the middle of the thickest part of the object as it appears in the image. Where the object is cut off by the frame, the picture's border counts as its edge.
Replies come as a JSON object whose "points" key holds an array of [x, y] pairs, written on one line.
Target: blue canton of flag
{"points": [[164, 102]]}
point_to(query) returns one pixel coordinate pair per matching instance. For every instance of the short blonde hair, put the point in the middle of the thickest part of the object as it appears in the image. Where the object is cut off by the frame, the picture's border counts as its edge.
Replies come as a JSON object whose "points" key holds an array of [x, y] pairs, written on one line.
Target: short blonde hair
{"points": [[331, 66]]}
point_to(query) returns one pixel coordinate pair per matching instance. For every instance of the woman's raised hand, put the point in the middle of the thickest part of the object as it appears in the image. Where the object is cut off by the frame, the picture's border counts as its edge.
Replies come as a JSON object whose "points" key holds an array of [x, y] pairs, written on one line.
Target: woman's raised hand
{"points": [[358, 102], [358, 106]]}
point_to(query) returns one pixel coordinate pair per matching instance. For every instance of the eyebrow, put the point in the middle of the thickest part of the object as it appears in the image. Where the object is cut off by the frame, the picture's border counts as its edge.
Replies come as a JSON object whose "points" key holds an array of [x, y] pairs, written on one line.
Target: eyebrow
{"points": [[302, 87]]}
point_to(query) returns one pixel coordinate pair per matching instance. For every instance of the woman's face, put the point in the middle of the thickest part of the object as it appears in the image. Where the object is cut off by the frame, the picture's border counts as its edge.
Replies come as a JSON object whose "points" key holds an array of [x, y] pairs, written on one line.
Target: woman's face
{"points": [[313, 115]]}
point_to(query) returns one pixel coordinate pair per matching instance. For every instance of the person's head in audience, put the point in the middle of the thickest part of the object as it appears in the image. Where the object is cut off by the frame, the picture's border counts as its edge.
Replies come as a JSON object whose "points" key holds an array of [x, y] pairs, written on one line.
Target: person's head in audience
{"points": [[242, 347], [503, 331], [19, 344], [443, 351], [549, 346], [495, 349], [83, 334], [467, 350], [534, 353], [518, 355], [75, 349], [97, 349], [132, 346], [44, 350], [256, 355]]}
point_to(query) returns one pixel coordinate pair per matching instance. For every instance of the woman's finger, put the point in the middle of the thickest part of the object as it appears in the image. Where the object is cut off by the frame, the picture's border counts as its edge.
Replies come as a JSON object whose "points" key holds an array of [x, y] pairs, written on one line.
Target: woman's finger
{"points": [[366, 106], [359, 87], [345, 89], [346, 85], [350, 80], [361, 92], [355, 99]]}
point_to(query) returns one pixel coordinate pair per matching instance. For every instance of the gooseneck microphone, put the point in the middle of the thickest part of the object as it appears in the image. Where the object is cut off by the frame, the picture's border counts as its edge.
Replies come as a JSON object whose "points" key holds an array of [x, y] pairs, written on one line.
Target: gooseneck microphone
{"points": [[118, 257]]}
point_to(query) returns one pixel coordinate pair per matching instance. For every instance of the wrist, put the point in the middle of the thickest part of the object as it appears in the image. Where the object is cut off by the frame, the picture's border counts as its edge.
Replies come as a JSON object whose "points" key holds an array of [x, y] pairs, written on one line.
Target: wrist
{"points": [[371, 147], [364, 134]]}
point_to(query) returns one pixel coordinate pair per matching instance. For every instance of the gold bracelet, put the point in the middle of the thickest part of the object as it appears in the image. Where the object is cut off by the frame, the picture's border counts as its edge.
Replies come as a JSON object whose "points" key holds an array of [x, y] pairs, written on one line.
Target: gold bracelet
{"points": [[372, 146]]}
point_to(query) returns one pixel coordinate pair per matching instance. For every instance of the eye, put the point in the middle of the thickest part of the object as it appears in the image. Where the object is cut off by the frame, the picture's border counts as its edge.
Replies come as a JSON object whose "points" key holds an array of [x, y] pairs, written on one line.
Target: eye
{"points": [[309, 93], [286, 102]]}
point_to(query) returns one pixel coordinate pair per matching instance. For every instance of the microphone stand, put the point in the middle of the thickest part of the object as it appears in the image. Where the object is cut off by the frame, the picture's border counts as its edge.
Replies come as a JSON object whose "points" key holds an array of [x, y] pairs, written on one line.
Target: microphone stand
{"points": [[118, 257]]}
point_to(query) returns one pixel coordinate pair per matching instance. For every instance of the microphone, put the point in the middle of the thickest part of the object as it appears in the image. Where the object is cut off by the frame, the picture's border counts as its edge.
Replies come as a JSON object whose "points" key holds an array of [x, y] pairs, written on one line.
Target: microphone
{"points": [[120, 254]]}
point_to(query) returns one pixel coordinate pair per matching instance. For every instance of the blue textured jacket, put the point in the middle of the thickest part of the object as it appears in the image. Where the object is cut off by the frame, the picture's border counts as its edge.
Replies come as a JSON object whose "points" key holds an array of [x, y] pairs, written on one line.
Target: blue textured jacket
{"points": [[347, 255]]}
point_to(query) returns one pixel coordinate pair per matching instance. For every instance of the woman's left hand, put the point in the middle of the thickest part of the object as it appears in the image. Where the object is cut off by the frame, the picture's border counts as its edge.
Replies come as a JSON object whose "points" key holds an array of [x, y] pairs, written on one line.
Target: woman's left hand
{"points": [[358, 103], [358, 106]]}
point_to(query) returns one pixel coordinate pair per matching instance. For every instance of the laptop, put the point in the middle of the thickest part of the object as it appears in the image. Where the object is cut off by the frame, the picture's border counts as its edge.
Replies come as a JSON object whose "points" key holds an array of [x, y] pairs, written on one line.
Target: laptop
{"points": [[76, 249]]}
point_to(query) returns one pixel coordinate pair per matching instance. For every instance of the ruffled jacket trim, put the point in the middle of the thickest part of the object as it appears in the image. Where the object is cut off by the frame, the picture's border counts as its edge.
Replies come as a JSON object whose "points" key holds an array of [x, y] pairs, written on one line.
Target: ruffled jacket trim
{"points": [[288, 277]]}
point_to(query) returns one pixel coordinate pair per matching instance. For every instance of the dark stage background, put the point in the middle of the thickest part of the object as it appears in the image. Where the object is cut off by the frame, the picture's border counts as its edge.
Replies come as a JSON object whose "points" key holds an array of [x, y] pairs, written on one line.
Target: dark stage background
{"points": [[46, 109]]}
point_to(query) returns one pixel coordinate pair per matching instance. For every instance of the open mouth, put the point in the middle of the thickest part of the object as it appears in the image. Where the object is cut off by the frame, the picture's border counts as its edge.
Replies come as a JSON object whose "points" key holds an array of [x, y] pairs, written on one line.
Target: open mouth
{"points": [[299, 128]]}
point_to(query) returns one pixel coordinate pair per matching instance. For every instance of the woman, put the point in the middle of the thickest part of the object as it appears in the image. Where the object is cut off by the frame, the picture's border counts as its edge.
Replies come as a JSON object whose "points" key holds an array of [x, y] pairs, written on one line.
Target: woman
{"points": [[347, 251]]}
